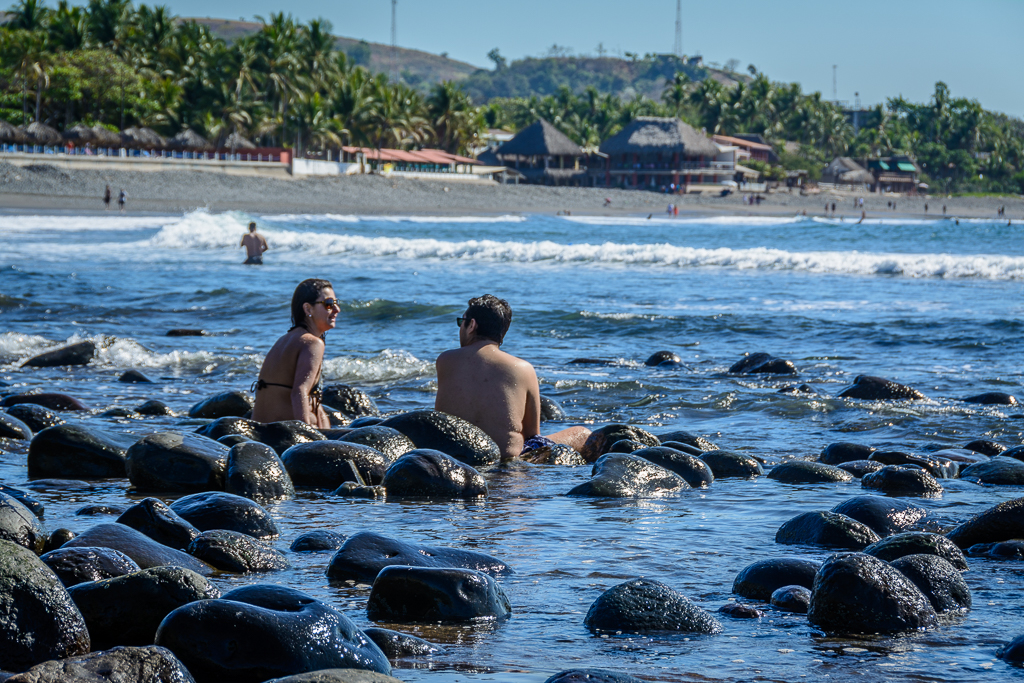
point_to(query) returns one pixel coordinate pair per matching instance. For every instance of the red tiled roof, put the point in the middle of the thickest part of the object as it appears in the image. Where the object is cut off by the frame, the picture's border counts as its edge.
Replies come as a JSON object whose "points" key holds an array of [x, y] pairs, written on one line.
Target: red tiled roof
{"points": [[740, 142]]}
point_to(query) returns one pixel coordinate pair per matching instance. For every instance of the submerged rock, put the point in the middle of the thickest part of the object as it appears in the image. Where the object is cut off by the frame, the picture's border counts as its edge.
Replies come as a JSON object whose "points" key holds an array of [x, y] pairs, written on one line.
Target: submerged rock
{"points": [[390, 443], [36, 417], [230, 551], [316, 541], [624, 475], [792, 599], [362, 557], [804, 472], [398, 645], [349, 401], [872, 388], [80, 565], [724, 464], [759, 580], [1002, 522], [659, 357], [76, 451], [992, 398], [431, 474], [601, 440], [550, 410], [642, 606], [985, 447], [134, 377], [432, 594], [917, 543], [695, 471], [591, 676], [177, 462], [898, 479], [999, 471], [162, 524], [826, 529], [278, 435], [153, 407], [762, 363], [844, 451], [738, 610], [255, 471], [937, 466], [885, 516], [227, 404], [80, 353], [672, 439], [13, 428], [453, 436], [51, 400], [939, 580], [217, 510], [143, 550], [858, 468], [28, 501]]}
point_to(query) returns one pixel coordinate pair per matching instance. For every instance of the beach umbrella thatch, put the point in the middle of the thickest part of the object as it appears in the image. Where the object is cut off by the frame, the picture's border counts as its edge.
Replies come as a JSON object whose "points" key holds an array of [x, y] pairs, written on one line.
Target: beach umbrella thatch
{"points": [[652, 134], [188, 139], [10, 133], [41, 134], [142, 138], [104, 137], [80, 134], [236, 141], [539, 139]]}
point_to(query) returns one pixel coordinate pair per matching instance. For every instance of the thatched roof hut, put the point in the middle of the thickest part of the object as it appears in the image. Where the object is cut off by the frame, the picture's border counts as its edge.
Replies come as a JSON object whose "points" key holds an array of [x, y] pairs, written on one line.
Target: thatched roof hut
{"points": [[41, 134], [10, 133], [236, 141], [80, 134], [844, 170], [188, 139], [656, 134], [104, 137], [539, 139], [142, 138]]}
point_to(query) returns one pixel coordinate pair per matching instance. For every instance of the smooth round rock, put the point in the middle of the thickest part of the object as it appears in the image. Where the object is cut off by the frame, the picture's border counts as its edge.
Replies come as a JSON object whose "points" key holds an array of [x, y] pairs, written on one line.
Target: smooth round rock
{"points": [[57, 538], [759, 580], [591, 676], [624, 475], [167, 461], [349, 401], [36, 417], [550, 410], [13, 428], [627, 446], [278, 435], [230, 551], [1013, 651], [398, 645], [365, 554], [738, 610], [804, 472], [75, 451], [162, 524], [695, 471], [856, 593], [38, 620], [939, 580], [19, 525], [902, 480], [724, 464], [93, 510], [79, 353], [985, 447], [126, 610], [218, 510], [365, 421], [858, 468], [659, 357], [53, 401], [885, 516], [936, 465], [872, 388], [227, 404], [143, 550], [689, 439], [79, 565], [1002, 522], [391, 443], [329, 464], [826, 529], [918, 543], [425, 473], [643, 605], [153, 407], [316, 541], [792, 599], [762, 363], [844, 451], [406, 594], [255, 471], [453, 436], [558, 454], [28, 501], [134, 377], [992, 398], [684, 447], [148, 664], [260, 632], [601, 440], [998, 471]]}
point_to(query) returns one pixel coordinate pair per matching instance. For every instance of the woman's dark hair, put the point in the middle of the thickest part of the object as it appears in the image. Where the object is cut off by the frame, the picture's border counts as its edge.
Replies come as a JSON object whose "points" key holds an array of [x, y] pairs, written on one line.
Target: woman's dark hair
{"points": [[492, 316], [307, 292]]}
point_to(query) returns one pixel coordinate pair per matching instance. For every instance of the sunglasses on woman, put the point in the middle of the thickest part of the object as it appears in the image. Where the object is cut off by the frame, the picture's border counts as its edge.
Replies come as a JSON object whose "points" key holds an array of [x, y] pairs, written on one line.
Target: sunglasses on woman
{"points": [[329, 303]]}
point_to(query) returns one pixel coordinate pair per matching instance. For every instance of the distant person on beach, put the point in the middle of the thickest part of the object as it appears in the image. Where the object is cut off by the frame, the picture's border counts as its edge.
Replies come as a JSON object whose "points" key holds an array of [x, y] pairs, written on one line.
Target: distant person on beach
{"points": [[254, 245], [290, 382], [122, 199], [943, 209], [494, 390], [926, 207], [106, 198]]}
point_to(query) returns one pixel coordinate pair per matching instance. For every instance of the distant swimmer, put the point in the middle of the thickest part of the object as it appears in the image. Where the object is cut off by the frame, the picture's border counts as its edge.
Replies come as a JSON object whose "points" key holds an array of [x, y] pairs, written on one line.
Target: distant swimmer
{"points": [[254, 245], [122, 199], [863, 215], [494, 390], [106, 198], [607, 201], [649, 216]]}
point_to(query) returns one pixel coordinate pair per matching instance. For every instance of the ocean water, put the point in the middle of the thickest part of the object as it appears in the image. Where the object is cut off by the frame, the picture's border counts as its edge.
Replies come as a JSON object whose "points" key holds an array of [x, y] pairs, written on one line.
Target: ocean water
{"points": [[928, 303]]}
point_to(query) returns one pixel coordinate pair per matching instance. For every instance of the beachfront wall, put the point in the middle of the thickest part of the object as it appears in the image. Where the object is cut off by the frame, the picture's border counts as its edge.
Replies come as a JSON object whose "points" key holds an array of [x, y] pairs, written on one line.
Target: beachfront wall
{"points": [[122, 160]]}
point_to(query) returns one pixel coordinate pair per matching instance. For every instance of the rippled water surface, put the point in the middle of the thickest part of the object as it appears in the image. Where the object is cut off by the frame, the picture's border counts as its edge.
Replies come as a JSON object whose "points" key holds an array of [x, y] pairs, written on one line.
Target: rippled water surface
{"points": [[926, 303]]}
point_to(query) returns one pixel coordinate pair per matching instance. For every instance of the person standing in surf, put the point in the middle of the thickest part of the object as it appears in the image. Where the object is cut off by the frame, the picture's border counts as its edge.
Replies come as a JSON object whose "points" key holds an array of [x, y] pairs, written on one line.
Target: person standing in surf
{"points": [[255, 245], [291, 378]]}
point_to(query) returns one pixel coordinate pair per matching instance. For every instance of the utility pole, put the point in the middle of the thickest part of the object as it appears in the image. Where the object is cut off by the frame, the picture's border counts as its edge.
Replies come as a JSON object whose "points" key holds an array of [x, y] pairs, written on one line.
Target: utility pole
{"points": [[835, 96], [394, 40], [678, 47]]}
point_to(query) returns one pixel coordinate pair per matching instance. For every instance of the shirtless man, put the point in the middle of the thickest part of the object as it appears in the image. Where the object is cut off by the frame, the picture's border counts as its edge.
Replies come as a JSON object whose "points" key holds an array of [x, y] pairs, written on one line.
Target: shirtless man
{"points": [[492, 389], [254, 245]]}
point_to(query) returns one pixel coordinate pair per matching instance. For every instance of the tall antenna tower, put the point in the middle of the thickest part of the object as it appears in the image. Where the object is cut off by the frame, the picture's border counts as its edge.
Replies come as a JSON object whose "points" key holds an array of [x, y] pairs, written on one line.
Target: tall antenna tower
{"points": [[394, 40], [835, 91], [678, 47]]}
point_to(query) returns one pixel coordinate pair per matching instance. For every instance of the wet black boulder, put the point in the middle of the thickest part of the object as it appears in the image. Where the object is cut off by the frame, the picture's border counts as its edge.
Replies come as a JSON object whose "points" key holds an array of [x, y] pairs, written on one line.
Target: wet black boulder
{"points": [[154, 518], [762, 363], [149, 664], [256, 471], [725, 464], [624, 475], [337, 676], [134, 377], [627, 446], [278, 435], [1013, 651], [872, 388], [19, 525], [940, 581], [391, 443], [126, 610], [431, 594], [328, 464], [903, 480], [550, 410], [349, 401], [434, 430], [936, 465], [792, 599], [917, 543], [77, 452], [992, 398], [57, 538], [79, 353], [844, 451], [1002, 522], [80, 565], [885, 516], [425, 473], [38, 620], [602, 439], [167, 461], [1004, 550], [826, 529], [28, 501], [317, 541], [695, 471], [153, 407], [696, 441], [397, 645], [230, 551], [858, 468], [644, 605], [362, 557], [51, 400], [759, 580], [985, 447], [999, 470], [260, 632], [557, 454], [13, 428], [666, 357], [218, 510], [805, 472], [856, 593], [36, 417], [591, 676], [143, 550], [227, 404]]}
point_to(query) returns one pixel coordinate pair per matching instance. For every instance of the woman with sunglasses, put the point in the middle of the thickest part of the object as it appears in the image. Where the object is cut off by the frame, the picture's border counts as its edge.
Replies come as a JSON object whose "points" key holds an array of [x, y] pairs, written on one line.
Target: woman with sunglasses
{"points": [[290, 380]]}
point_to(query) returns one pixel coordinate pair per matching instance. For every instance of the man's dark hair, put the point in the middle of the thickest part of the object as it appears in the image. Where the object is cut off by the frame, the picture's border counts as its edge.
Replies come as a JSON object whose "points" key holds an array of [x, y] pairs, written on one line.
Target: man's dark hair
{"points": [[252, 225], [307, 292], [492, 316]]}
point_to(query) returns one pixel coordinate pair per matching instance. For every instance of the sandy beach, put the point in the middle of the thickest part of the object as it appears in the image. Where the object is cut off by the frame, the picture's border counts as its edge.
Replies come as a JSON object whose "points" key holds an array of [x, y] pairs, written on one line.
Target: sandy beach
{"points": [[46, 188]]}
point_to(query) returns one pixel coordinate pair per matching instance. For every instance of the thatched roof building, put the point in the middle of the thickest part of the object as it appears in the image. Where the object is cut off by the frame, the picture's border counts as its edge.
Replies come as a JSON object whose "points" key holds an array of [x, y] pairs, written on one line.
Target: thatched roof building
{"points": [[80, 134], [540, 138], [142, 138], [846, 171], [104, 137], [656, 134], [10, 133], [235, 141], [41, 134], [188, 139]]}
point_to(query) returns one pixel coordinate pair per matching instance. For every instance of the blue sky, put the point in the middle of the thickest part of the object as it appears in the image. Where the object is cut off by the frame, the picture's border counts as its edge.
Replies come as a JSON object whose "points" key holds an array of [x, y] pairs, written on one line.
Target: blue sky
{"points": [[882, 47]]}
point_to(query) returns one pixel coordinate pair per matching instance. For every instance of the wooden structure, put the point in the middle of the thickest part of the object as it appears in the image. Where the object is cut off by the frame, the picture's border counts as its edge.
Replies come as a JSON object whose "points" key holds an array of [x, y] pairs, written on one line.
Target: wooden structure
{"points": [[543, 154], [654, 152]]}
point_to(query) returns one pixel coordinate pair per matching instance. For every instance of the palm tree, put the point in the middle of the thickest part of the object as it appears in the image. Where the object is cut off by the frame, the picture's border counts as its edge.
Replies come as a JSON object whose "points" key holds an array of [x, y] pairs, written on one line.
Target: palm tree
{"points": [[107, 20], [676, 93], [456, 123], [28, 15], [67, 27]]}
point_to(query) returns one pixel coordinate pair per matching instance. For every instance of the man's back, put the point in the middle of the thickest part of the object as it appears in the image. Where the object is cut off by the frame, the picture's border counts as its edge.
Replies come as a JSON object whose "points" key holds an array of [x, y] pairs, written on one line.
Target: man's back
{"points": [[492, 389], [254, 244]]}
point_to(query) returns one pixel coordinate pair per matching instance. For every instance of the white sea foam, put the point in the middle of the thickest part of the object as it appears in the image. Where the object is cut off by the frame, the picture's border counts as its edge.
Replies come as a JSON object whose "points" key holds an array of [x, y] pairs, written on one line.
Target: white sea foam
{"points": [[702, 220], [387, 365], [351, 218], [10, 224]]}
